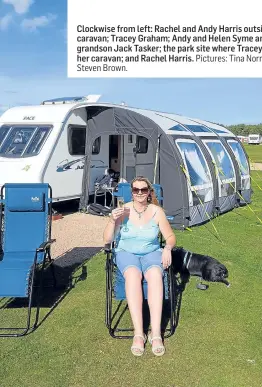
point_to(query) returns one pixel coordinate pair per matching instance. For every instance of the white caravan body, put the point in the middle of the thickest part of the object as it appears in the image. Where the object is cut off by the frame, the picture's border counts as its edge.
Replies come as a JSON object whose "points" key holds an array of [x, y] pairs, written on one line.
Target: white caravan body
{"points": [[46, 143], [34, 148], [255, 139]]}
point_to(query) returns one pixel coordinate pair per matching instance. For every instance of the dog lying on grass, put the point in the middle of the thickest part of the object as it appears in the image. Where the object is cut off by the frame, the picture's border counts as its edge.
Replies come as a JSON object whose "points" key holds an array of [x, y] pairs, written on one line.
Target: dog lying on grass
{"points": [[208, 268]]}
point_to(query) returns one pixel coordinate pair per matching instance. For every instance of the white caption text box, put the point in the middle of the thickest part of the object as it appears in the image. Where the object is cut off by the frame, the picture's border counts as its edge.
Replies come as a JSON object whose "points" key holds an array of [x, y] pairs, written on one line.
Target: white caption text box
{"points": [[164, 39]]}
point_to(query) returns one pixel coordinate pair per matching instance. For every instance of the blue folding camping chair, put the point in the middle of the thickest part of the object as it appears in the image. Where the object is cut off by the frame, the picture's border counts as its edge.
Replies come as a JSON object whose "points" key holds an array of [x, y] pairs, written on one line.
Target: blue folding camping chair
{"points": [[26, 217], [115, 282]]}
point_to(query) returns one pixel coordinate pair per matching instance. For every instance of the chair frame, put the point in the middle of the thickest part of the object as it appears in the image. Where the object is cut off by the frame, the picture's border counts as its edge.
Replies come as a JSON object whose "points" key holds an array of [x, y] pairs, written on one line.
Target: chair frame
{"points": [[43, 248], [100, 192], [110, 315], [118, 333]]}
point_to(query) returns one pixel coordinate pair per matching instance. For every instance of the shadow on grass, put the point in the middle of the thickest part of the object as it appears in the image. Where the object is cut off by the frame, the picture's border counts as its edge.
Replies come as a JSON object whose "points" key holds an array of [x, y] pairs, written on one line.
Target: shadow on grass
{"points": [[50, 294]]}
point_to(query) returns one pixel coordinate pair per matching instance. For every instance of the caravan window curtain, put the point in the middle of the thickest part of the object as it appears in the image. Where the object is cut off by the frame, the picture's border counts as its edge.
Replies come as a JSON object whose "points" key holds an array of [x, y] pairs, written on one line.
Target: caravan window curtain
{"points": [[242, 163], [201, 187], [224, 167]]}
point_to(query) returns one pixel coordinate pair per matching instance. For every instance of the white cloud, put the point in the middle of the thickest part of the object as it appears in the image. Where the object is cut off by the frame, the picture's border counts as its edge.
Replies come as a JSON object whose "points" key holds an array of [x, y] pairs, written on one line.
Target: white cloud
{"points": [[20, 6], [5, 21], [37, 22]]}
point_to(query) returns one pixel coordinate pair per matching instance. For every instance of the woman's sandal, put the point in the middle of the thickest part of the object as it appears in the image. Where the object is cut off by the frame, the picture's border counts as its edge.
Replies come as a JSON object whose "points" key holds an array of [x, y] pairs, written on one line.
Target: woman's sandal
{"points": [[137, 350], [158, 350]]}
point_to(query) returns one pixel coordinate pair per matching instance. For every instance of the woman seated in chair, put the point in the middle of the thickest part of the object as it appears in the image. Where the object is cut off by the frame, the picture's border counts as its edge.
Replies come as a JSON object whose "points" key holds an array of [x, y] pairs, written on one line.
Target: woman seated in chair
{"points": [[138, 253]]}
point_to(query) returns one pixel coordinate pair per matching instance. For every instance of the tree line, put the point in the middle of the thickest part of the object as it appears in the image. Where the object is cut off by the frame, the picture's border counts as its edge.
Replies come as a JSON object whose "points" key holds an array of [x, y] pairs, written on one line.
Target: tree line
{"points": [[245, 130]]}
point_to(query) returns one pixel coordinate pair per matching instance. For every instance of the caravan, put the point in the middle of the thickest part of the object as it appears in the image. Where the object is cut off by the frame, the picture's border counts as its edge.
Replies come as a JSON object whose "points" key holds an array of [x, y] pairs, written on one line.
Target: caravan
{"points": [[46, 143], [70, 142], [255, 139]]}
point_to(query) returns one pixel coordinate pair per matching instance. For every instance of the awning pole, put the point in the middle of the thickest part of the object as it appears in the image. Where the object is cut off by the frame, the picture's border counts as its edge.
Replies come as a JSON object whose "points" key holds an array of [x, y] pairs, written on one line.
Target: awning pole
{"points": [[156, 159]]}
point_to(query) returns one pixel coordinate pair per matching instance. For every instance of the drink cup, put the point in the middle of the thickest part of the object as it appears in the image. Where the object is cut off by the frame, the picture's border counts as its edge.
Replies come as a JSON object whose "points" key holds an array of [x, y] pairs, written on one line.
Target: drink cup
{"points": [[121, 203]]}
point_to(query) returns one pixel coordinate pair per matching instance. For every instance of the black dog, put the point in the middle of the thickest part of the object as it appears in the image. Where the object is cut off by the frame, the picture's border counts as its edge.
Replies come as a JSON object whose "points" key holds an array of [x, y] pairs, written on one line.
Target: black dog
{"points": [[208, 268]]}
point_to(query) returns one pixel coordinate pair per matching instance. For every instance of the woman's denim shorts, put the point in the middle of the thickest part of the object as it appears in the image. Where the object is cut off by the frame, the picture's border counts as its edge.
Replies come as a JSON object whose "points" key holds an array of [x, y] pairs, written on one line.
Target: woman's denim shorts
{"points": [[124, 260]]}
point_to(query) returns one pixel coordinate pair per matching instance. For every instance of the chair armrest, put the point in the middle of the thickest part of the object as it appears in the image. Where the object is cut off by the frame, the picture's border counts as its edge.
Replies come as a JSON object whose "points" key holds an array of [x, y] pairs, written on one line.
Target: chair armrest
{"points": [[45, 245], [108, 248]]}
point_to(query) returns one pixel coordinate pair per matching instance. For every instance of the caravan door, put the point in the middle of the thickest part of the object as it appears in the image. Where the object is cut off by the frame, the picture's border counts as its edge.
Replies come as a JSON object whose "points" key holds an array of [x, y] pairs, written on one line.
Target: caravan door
{"points": [[137, 157], [144, 158], [128, 170]]}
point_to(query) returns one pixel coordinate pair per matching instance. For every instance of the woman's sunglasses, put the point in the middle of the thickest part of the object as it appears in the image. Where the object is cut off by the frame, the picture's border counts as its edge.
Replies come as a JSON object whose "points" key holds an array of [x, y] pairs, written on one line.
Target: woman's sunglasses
{"points": [[142, 190]]}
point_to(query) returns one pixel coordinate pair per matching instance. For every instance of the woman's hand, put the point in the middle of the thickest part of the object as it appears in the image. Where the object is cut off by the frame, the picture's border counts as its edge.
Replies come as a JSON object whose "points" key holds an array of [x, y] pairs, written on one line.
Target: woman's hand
{"points": [[117, 213], [166, 258], [113, 225]]}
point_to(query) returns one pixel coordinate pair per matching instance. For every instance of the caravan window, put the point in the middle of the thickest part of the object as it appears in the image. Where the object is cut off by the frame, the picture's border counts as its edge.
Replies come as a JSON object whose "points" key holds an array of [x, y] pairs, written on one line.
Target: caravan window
{"points": [[22, 141], [179, 128], [195, 162], [197, 128], [242, 163], [3, 132], [38, 140], [218, 130], [96, 146], [197, 172], [224, 167], [141, 144], [240, 157], [221, 159], [77, 141]]}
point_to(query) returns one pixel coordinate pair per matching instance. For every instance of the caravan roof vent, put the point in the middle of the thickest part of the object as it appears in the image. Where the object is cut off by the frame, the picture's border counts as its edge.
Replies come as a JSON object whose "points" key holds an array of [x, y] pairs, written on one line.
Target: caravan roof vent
{"points": [[64, 100]]}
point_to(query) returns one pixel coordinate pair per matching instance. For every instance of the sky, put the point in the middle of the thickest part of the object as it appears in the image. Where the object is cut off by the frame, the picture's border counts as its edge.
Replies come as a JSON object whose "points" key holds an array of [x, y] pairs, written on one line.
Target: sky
{"points": [[33, 67]]}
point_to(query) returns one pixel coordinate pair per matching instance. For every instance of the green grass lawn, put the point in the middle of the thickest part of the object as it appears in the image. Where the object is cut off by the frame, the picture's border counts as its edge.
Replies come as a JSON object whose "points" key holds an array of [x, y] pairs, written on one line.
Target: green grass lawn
{"points": [[217, 342], [254, 152]]}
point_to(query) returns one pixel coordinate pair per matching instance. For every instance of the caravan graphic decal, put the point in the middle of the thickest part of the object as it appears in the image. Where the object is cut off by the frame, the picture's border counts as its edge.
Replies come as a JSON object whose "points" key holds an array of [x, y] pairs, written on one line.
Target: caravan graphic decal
{"points": [[65, 165]]}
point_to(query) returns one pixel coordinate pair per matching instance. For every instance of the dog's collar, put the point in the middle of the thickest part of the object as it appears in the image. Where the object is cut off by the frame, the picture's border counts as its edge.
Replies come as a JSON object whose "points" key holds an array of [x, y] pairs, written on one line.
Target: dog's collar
{"points": [[186, 260]]}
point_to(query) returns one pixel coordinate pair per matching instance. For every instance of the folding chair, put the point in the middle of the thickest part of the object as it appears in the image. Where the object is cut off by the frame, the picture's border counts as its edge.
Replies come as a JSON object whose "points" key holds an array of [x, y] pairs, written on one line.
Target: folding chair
{"points": [[123, 192], [106, 185], [26, 216], [115, 283]]}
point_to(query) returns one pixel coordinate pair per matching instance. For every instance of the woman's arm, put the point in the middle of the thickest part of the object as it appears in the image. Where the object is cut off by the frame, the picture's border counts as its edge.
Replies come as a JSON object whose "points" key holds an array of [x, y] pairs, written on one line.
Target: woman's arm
{"points": [[166, 230], [169, 237], [109, 231], [113, 225]]}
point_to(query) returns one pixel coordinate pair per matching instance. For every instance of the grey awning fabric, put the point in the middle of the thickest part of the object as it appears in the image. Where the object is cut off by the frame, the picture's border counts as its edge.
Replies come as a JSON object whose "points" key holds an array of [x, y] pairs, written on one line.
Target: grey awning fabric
{"points": [[110, 121], [121, 121]]}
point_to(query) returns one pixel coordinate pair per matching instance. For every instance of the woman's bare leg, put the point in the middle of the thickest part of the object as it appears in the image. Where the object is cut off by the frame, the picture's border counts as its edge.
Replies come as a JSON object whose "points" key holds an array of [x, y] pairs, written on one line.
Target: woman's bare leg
{"points": [[134, 296], [154, 280]]}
